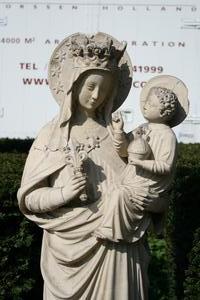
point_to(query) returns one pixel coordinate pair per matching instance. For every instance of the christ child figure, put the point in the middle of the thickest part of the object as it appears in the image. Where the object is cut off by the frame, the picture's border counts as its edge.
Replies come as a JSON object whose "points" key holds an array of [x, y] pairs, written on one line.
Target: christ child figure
{"points": [[164, 104], [151, 151]]}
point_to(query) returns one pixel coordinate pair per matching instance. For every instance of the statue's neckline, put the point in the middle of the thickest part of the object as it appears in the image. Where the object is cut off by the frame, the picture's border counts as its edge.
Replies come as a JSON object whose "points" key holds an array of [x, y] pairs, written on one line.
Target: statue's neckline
{"points": [[89, 136], [92, 137]]}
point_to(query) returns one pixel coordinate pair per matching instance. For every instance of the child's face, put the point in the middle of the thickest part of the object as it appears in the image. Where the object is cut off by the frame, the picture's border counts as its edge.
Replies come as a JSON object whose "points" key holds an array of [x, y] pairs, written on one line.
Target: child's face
{"points": [[152, 108]]}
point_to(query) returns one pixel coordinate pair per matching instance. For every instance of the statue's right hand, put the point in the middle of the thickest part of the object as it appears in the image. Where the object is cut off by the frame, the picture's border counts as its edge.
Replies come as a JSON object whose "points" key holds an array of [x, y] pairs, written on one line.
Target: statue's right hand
{"points": [[74, 187], [117, 121]]}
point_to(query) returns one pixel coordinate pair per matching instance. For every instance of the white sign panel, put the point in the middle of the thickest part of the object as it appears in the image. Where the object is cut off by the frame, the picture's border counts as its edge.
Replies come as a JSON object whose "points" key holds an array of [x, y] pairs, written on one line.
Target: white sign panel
{"points": [[162, 39]]}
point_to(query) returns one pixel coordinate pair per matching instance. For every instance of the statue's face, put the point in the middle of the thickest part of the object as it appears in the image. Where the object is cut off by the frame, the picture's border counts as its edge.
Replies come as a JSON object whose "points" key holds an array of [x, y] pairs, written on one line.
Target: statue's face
{"points": [[152, 108], [94, 89]]}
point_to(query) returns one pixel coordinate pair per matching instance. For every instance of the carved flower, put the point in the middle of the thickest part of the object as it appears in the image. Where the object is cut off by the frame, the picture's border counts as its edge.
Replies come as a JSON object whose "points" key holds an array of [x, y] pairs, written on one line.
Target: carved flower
{"points": [[55, 70], [59, 88], [60, 55], [63, 54]]}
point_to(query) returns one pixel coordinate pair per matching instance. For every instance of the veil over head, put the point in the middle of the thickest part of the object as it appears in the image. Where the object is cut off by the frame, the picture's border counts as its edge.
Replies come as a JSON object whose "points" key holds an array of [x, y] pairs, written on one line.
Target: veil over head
{"points": [[76, 55]]}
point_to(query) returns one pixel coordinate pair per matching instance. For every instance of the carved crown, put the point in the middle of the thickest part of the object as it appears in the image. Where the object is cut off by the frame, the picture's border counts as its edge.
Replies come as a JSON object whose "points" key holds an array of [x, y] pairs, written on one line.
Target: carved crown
{"points": [[80, 52], [92, 51]]}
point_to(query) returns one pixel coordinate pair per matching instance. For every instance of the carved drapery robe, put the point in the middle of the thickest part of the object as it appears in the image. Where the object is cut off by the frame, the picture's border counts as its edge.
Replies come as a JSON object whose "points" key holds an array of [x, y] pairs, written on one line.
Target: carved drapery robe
{"points": [[74, 263]]}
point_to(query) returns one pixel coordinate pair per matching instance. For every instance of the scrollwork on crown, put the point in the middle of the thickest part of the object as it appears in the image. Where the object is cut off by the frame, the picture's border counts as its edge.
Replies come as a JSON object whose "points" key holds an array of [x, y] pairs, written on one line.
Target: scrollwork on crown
{"points": [[89, 51]]}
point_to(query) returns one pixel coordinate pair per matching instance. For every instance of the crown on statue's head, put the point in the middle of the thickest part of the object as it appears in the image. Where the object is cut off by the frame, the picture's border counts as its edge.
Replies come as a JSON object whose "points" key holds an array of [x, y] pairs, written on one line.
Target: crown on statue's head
{"points": [[89, 51], [80, 53]]}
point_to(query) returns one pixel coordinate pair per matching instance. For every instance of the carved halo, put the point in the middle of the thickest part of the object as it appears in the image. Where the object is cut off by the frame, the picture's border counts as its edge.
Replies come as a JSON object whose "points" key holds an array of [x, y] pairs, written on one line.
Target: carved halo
{"points": [[62, 60], [175, 85]]}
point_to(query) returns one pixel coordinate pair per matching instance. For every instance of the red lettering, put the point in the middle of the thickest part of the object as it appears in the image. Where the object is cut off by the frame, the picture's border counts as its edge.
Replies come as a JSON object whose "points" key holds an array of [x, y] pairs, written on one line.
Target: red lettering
{"points": [[38, 81], [35, 81], [27, 81]]}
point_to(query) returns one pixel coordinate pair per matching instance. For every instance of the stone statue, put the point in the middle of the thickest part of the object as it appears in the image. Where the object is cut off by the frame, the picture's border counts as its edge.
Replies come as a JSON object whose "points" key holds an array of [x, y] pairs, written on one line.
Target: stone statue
{"points": [[92, 188], [151, 151]]}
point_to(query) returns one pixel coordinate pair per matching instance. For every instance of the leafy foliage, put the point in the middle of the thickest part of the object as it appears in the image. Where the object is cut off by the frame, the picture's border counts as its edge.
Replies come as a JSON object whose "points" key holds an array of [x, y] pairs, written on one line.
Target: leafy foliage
{"points": [[158, 270], [192, 283], [183, 216], [15, 145], [19, 239]]}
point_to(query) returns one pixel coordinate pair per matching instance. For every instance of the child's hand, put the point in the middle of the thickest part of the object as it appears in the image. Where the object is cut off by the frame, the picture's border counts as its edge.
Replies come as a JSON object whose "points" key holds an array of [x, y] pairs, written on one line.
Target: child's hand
{"points": [[117, 121], [141, 131]]}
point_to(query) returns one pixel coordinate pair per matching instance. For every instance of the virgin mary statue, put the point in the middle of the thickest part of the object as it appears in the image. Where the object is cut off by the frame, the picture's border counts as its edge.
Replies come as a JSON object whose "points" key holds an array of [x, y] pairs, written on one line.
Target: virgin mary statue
{"points": [[90, 77]]}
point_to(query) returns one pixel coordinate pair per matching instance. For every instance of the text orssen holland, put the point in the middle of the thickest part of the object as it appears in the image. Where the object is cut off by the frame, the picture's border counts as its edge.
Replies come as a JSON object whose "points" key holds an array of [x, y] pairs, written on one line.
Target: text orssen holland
{"points": [[104, 7]]}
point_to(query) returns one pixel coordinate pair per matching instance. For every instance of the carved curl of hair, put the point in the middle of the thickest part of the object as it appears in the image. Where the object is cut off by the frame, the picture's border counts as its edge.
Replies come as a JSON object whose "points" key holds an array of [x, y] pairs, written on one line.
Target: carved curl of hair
{"points": [[168, 100]]}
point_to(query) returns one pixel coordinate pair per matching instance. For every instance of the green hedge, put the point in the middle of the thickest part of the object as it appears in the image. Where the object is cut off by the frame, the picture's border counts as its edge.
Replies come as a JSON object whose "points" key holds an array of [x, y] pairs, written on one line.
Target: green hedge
{"points": [[20, 240], [15, 145], [183, 216], [192, 282], [158, 270]]}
